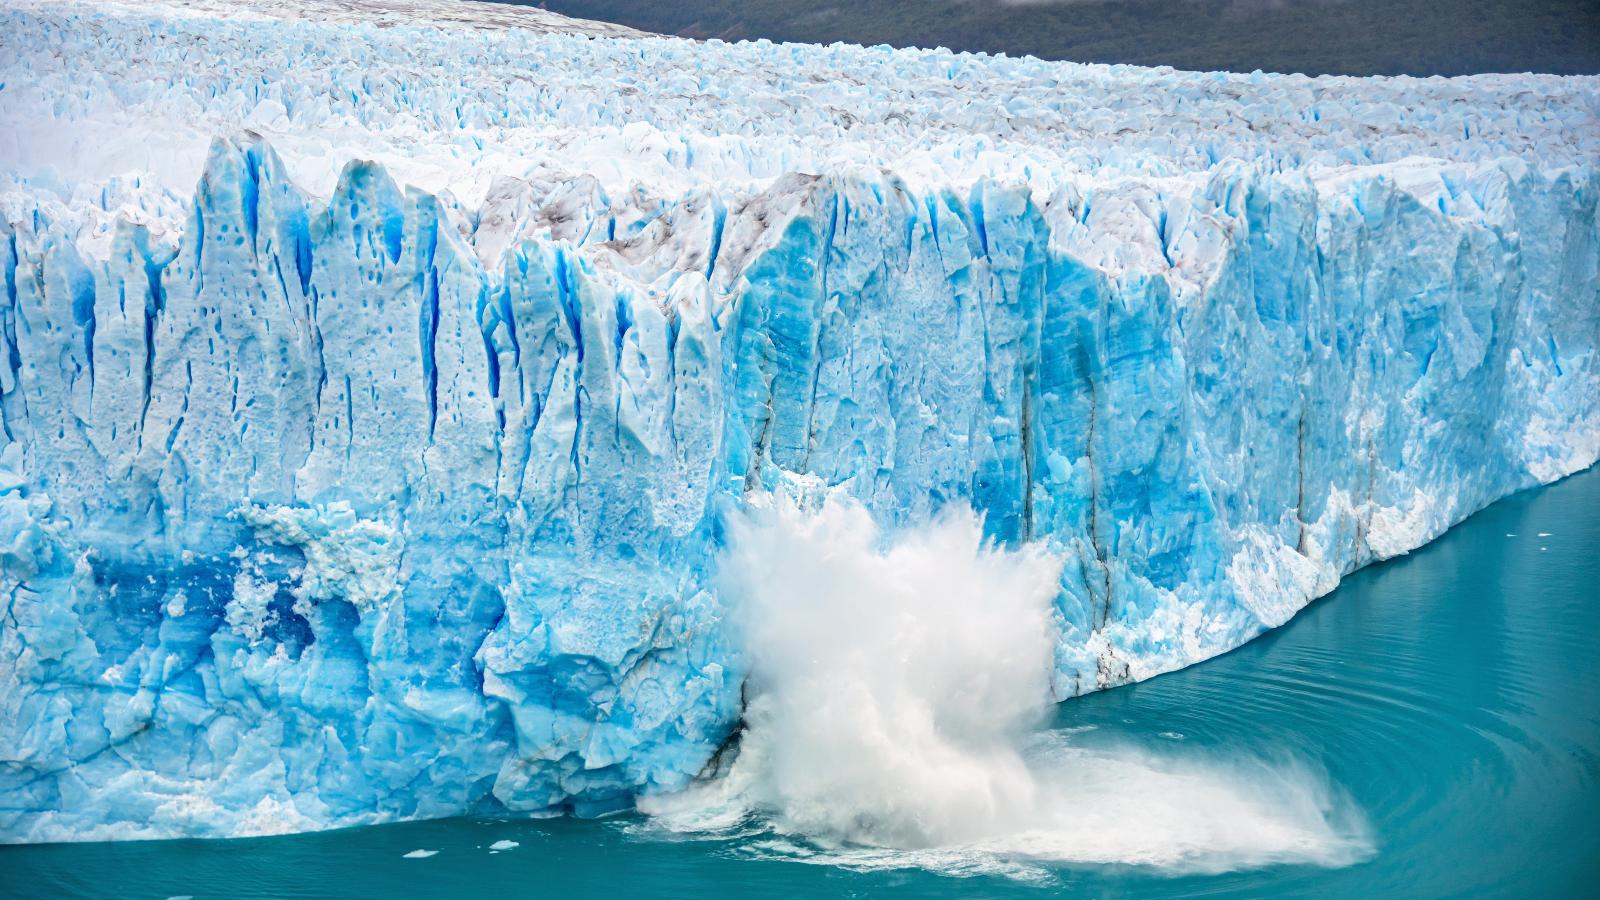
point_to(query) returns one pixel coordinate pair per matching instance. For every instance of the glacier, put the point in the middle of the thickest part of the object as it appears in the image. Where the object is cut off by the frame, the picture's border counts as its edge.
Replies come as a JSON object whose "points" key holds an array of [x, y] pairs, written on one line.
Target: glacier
{"points": [[377, 378]]}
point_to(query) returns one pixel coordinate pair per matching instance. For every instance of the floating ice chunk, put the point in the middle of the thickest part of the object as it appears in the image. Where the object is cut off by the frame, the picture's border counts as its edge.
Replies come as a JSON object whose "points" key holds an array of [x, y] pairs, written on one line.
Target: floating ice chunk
{"points": [[421, 854], [503, 845]]}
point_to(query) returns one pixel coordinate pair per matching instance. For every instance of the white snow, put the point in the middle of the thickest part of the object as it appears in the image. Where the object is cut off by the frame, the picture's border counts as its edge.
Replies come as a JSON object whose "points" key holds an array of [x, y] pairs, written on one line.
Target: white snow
{"points": [[470, 14]]}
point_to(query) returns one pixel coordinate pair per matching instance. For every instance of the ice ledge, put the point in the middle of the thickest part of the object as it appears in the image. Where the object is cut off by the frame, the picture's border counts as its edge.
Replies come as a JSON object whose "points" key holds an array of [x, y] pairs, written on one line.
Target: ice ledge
{"points": [[314, 510]]}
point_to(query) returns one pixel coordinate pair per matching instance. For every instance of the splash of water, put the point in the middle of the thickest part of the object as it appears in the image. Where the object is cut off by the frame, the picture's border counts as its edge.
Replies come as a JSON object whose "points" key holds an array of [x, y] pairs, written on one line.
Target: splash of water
{"points": [[896, 697]]}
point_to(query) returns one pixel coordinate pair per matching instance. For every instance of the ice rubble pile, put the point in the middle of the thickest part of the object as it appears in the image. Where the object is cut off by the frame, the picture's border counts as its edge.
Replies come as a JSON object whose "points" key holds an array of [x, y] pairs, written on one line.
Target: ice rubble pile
{"points": [[373, 397]]}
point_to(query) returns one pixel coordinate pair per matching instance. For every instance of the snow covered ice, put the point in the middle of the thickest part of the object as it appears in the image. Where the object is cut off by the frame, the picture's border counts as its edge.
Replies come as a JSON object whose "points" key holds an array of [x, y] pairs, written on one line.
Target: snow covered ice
{"points": [[376, 384]]}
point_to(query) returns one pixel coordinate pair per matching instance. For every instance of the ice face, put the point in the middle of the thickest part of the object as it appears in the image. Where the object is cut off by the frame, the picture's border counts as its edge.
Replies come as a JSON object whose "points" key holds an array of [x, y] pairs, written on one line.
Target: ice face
{"points": [[374, 399]]}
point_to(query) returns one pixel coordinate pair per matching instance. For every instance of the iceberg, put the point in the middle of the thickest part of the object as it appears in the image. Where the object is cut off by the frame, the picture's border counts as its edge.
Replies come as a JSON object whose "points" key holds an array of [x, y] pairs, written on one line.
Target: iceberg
{"points": [[375, 389]]}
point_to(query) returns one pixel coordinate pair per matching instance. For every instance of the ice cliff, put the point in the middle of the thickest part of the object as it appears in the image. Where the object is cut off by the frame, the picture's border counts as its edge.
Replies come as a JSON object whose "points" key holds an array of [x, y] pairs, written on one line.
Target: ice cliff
{"points": [[373, 397]]}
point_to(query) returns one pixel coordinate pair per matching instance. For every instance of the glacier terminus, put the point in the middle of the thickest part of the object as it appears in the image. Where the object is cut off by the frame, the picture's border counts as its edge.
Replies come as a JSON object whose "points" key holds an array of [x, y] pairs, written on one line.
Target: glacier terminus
{"points": [[375, 388]]}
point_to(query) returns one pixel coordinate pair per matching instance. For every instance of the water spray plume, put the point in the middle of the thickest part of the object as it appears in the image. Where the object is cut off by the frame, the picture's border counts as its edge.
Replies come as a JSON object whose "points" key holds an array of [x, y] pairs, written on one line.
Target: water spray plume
{"points": [[898, 691]]}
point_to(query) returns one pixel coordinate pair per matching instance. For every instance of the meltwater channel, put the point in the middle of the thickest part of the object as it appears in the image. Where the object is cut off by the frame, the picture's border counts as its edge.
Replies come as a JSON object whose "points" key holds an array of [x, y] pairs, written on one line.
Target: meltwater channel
{"points": [[1449, 698]]}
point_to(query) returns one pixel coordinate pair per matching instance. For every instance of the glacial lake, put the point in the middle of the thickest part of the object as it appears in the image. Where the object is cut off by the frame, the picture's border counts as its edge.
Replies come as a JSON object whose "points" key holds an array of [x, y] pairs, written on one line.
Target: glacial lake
{"points": [[1451, 698]]}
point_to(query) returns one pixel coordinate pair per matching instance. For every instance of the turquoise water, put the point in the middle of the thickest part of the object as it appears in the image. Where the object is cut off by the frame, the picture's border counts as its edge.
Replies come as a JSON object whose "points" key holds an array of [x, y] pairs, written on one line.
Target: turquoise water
{"points": [[1453, 695]]}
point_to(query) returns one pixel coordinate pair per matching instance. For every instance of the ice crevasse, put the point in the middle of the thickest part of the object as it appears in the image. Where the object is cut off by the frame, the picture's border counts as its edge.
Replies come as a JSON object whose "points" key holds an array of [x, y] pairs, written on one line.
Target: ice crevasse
{"points": [[373, 398]]}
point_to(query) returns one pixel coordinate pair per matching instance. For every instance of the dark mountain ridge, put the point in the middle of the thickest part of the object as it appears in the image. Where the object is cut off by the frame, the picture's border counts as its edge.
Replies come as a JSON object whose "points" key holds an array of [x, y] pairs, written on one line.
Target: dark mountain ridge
{"points": [[1343, 37]]}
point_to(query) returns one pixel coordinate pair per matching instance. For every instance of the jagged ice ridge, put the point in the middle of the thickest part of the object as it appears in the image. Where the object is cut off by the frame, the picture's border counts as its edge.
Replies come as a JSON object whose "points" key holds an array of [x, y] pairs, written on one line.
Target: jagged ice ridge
{"points": [[373, 397]]}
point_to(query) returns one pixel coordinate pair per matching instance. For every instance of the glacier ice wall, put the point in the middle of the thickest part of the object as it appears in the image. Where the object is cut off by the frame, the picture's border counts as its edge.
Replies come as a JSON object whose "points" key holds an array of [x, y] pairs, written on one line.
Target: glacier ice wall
{"points": [[322, 505]]}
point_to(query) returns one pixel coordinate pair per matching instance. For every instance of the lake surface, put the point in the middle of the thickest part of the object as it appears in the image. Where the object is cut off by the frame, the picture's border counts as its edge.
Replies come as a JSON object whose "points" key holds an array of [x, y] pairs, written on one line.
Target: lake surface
{"points": [[1452, 696]]}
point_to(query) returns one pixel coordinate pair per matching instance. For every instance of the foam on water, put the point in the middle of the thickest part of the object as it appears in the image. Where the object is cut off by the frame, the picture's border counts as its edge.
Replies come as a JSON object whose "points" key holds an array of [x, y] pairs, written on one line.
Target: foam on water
{"points": [[898, 688]]}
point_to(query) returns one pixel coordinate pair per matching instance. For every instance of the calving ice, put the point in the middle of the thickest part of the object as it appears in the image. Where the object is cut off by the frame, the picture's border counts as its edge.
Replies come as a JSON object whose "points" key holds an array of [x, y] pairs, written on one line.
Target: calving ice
{"points": [[893, 718], [379, 403]]}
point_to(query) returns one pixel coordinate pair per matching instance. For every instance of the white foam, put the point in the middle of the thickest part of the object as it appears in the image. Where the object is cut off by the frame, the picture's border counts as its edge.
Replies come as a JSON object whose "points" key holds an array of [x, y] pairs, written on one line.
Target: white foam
{"points": [[894, 685]]}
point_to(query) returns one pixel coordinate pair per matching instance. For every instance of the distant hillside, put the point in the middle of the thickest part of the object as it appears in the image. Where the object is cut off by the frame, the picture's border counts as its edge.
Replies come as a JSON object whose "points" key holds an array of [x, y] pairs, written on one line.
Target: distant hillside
{"points": [[1353, 37]]}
